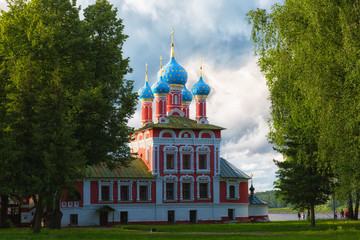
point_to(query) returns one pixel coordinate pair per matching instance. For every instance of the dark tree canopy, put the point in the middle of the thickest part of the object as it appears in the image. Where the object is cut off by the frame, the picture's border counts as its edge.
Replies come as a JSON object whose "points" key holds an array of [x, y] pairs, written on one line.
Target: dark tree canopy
{"points": [[64, 100]]}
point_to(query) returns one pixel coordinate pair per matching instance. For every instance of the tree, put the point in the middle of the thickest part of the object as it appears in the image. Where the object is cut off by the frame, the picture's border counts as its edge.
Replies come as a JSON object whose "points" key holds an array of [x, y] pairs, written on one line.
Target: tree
{"points": [[312, 47], [312, 188], [62, 113]]}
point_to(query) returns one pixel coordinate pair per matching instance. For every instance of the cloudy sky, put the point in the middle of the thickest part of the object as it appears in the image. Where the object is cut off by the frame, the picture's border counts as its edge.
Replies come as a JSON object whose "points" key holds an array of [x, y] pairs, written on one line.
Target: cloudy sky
{"points": [[216, 31]]}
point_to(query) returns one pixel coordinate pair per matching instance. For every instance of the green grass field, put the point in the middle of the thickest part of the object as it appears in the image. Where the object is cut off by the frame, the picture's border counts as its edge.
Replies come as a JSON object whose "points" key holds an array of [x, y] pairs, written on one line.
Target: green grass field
{"points": [[325, 229]]}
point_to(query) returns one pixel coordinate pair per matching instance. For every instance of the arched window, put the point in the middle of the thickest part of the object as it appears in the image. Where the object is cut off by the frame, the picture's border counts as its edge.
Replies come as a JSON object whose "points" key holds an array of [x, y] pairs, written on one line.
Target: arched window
{"points": [[232, 191]]}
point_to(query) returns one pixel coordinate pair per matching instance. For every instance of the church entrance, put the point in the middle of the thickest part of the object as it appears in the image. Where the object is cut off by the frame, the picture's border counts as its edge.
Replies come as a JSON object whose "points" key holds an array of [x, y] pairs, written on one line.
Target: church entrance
{"points": [[123, 217], [192, 216], [171, 217], [103, 218]]}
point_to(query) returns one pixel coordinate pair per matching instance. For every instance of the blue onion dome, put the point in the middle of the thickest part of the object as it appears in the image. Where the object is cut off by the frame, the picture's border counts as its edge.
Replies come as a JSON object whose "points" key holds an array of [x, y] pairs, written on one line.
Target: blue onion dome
{"points": [[160, 87], [145, 92], [186, 95], [200, 88], [174, 74]]}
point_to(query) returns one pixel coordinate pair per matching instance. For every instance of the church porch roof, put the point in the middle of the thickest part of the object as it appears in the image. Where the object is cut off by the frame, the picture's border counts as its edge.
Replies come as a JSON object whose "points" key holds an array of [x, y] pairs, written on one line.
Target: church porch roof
{"points": [[136, 169]]}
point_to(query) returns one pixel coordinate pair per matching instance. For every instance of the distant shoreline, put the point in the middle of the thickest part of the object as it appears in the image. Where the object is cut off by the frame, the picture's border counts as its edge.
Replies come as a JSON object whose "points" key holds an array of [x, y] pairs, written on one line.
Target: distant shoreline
{"points": [[289, 210]]}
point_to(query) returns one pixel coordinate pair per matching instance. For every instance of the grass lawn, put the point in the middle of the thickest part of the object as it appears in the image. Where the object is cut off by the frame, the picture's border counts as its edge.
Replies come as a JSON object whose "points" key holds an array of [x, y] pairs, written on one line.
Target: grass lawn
{"points": [[325, 229]]}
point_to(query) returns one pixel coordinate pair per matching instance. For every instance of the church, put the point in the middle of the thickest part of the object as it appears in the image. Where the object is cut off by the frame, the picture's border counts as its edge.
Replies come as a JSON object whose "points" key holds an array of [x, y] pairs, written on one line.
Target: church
{"points": [[179, 175]]}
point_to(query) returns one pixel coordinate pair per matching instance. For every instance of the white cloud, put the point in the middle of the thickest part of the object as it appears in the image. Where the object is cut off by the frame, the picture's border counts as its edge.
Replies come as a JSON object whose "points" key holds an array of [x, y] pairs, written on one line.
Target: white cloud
{"points": [[216, 30]]}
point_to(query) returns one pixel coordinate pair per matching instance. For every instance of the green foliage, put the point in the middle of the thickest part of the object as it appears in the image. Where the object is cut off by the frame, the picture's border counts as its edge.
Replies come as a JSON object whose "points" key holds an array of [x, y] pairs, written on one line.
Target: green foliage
{"points": [[271, 198], [64, 100], [309, 53], [311, 188]]}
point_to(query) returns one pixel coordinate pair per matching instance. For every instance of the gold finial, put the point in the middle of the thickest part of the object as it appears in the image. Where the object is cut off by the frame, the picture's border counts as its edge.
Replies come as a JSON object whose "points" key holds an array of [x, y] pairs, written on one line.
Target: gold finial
{"points": [[251, 175], [200, 66], [160, 62], [146, 65], [172, 42]]}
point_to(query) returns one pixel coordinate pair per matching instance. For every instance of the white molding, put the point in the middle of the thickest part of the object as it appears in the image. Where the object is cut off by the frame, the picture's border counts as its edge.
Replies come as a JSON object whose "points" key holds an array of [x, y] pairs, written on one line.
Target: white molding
{"points": [[203, 179], [212, 134], [236, 184], [108, 183], [124, 182], [203, 120], [170, 150], [176, 110], [188, 150], [173, 135], [143, 183], [191, 132], [203, 150], [171, 179], [187, 179]]}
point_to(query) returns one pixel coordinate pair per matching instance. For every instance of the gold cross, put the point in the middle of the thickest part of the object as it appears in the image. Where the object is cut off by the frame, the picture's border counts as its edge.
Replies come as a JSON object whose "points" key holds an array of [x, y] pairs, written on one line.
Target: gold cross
{"points": [[160, 61], [172, 35], [146, 65]]}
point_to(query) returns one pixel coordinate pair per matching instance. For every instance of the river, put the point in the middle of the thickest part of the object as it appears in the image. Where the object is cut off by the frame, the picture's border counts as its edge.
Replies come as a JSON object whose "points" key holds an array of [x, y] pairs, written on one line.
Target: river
{"points": [[294, 216]]}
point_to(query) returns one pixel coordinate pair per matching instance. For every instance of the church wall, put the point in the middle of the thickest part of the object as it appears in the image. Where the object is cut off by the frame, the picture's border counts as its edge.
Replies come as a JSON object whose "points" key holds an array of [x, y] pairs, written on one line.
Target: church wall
{"points": [[240, 197]]}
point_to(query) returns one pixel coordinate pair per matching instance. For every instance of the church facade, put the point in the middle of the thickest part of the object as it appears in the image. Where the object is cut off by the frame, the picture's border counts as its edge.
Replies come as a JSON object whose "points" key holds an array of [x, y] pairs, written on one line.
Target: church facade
{"points": [[179, 176]]}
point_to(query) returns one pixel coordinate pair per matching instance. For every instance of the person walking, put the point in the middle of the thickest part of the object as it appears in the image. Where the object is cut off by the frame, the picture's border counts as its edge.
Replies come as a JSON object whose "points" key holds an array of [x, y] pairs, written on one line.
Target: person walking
{"points": [[342, 214]]}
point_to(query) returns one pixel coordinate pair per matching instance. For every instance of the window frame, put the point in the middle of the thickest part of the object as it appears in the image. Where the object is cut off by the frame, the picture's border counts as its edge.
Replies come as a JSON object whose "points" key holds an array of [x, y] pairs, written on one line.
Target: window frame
{"points": [[186, 179], [105, 183], [232, 183], [187, 151], [200, 151], [146, 183], [170, 179], [170, 150], [127, 183], [200, 180]]}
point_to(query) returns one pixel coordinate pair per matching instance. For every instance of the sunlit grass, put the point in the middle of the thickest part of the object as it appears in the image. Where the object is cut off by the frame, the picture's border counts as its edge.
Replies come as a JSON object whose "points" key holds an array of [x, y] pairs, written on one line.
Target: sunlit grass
{"points": [[325, 229]]}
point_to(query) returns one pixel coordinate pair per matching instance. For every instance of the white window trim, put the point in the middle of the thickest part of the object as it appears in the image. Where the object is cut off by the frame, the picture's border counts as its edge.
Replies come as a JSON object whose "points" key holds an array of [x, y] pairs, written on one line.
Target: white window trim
{"points": [[187, 179], [110, 184], [167, 151], [171, 179], [203, 150], [143, 183], [203, 179], [147, 155], [124, 183], [236, 185], [187, 150]]}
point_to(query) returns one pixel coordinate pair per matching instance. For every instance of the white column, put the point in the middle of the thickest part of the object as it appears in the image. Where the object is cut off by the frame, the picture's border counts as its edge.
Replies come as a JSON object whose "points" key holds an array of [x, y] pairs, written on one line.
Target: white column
{"points": [[159, 190], [149, 190], [130, 190], [99, 190], [111, 190], [216, 189], [86, 192]]}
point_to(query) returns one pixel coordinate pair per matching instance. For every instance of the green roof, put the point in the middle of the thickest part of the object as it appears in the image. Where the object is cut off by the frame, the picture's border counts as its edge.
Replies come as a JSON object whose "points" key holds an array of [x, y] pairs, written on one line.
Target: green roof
{"points": [[227, 170], [137, 169], [181, 123]]}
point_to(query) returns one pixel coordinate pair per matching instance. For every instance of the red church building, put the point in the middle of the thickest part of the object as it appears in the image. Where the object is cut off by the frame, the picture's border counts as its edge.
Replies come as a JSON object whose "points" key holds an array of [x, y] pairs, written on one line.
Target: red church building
{"points": [[179, 177]]}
